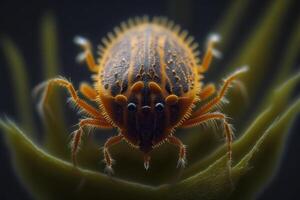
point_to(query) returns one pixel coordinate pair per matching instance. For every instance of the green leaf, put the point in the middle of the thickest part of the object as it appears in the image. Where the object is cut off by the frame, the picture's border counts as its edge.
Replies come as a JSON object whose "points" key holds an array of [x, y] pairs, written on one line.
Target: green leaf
{"points": [[50, 46], [205, 180], [288, 61], [257, 52], [51, 178], [258, 49], [20, 84], [265, 156], [228, 25], [56, 133]]}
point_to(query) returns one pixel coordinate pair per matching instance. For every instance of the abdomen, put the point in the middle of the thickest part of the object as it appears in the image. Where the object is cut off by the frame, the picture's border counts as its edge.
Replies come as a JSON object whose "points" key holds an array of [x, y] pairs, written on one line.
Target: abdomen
{"points": [[148, 52]]}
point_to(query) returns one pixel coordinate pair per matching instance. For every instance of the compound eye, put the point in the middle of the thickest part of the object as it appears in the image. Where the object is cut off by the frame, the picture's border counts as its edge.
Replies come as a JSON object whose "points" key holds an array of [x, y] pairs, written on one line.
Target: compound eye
{"points": [[159, 107], [131, 107]]}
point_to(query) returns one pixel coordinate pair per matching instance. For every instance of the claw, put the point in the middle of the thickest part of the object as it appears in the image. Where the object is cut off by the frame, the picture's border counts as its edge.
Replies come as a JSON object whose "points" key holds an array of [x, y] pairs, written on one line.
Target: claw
{"points": [[109, 170], [214, 37], [80, 57], [146, 165], [146, 161], [81, 41], [181, 163], [216, 53]]}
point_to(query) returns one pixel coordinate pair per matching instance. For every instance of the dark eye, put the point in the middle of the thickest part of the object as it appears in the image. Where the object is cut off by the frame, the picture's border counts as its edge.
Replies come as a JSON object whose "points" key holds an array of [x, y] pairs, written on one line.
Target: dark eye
{"points": [[159, 107], [131, 107]]}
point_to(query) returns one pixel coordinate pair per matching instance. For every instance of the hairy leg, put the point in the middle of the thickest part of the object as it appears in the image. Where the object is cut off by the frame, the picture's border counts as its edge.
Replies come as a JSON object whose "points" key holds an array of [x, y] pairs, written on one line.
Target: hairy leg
{"points": [[221, 93], [88, 109], [107, 158], [182, 150], [76, 140], [195, 121]]}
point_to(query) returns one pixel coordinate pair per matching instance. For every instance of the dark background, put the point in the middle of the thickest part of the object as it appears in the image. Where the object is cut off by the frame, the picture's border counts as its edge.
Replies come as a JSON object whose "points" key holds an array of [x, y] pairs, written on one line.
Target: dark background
{"points": [[21, 19]]}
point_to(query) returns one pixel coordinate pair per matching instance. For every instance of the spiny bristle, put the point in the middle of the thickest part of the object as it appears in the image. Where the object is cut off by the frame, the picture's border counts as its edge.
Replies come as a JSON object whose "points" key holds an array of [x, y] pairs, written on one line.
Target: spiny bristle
{"points": [[105, 41], [145, 19], [130, 144], [154, 19], [183, 34], [131, 23], [117, 30], [160, 143], [186, 116], [111, 36], [137, 21], [163, 21], [190, 40], [176, 29], [124, 26], [101, 106], [170, 24]]}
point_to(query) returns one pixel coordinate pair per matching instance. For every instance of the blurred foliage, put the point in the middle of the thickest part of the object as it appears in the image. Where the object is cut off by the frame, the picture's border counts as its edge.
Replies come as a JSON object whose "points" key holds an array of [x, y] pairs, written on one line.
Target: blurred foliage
{"points": [[20, 83], [55, 137], [48, 174]]}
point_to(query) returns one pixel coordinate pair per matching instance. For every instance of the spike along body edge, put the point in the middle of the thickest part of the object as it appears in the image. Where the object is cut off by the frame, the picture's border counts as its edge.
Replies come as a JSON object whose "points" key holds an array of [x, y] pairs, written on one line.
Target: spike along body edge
{"points": [[148, 80]]}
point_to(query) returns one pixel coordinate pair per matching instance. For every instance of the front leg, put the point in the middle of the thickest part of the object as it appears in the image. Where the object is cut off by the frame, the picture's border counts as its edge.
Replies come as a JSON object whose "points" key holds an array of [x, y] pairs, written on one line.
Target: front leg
{"points": [[107, 157], [76, 140], [182, 150]]}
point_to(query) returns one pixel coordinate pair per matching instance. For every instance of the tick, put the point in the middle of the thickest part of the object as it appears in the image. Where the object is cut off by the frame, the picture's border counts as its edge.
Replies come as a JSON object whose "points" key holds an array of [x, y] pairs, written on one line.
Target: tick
{"points": [[147, 82]]}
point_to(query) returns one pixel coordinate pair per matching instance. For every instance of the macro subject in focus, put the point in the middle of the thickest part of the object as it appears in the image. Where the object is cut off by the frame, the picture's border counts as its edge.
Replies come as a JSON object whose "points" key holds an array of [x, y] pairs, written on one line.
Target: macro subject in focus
{"points": [[147, 82]]}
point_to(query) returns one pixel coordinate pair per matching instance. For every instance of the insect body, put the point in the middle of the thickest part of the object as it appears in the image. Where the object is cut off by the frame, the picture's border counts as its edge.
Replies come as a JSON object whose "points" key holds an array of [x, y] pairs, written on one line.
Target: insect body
{"points": [[147, 82]]}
